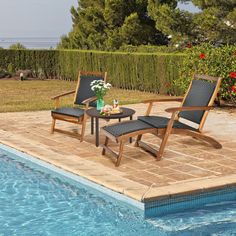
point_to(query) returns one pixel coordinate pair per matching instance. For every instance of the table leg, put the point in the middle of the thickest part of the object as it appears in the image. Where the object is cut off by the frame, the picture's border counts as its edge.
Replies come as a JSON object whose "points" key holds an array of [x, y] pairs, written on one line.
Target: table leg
{"points": [[97, 131], [92, 125], [119, 119], [130, 139]]}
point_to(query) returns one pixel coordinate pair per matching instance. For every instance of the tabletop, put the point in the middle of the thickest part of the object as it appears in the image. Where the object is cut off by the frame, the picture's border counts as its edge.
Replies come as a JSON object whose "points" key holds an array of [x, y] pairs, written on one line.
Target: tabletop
{"points": [[126, 112]]}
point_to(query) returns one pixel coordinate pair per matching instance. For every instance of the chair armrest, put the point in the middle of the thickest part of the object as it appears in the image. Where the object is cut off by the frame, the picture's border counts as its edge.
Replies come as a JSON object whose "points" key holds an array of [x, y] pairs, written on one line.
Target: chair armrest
{"points": [[196, 108], [87, 101], [163, 100], [63, 94], [151, 101]]}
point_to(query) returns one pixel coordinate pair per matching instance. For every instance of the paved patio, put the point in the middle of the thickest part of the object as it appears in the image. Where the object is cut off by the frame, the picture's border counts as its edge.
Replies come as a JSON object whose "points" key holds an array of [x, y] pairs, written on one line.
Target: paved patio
{"points": [[188, 165]]}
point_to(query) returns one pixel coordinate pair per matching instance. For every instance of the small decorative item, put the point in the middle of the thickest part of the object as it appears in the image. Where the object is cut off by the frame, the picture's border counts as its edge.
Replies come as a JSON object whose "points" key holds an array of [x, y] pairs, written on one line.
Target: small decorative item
{"points": [[115, 103], [22, 77], [100, 88], [106, 110], [100, 104]]}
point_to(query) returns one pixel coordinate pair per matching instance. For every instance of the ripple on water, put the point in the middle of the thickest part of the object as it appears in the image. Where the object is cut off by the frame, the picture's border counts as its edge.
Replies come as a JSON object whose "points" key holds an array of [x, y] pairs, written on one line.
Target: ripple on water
{"points": [[36, 203]]}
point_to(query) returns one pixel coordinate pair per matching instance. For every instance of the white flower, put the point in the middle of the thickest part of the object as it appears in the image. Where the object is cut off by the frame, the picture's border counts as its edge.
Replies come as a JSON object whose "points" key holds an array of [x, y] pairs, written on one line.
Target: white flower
{"points": [[100, 87]]}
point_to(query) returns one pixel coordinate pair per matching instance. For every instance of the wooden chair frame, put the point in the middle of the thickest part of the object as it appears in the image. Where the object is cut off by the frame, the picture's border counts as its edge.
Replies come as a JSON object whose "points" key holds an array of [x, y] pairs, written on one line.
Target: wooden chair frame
{"points": [[164, 133], [81, 120]]}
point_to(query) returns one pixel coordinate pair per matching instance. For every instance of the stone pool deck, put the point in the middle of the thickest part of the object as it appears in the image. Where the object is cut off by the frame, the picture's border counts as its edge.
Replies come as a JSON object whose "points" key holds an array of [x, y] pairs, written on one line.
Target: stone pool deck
{"points": [[188, 165]]}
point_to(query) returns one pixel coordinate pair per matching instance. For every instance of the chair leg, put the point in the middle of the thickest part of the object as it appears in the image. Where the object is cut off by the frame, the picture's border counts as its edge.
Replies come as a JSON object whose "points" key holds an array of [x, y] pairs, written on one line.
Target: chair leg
{"points": [[163, 144], [120, 153], [137, 140], [105, 144], [208, 139], [199, 136], [83, 128], [53, 125]]}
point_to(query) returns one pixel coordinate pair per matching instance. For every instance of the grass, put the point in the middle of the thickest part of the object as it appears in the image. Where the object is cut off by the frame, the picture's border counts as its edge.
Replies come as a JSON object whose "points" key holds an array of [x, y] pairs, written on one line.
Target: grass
{"points": [[34, 95]]}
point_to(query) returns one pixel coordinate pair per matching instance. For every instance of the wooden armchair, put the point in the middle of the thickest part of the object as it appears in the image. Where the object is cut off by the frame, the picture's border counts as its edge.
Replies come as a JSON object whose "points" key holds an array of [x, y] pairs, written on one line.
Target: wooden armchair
{"points": [[83, 96], [195, 106]]}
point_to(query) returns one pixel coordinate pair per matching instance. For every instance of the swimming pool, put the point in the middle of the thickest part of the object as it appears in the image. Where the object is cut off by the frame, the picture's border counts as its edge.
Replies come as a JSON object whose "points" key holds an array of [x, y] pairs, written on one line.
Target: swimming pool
{"points": [[37, 202]]}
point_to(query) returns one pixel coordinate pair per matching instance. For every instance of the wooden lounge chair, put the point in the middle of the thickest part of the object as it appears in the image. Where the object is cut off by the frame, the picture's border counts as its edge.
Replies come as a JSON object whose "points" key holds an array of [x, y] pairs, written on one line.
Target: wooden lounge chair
{"points": [[84, 97], [196, 104]]}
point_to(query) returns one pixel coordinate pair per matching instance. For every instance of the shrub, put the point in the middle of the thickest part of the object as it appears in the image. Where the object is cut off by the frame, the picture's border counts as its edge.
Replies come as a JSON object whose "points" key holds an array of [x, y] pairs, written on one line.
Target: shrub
{"points": [[17, 46], [141, 71], [214, 61], [164, 73]]}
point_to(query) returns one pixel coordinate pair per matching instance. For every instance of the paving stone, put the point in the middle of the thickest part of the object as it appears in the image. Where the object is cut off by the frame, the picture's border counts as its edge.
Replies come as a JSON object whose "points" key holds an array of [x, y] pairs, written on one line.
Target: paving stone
{"points": [[188, 165]]}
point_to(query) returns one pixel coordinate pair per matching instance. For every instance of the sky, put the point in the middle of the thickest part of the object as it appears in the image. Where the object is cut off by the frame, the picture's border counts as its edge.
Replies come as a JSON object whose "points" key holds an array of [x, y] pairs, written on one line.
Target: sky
{"points": [[35, 18], [40, 18]]}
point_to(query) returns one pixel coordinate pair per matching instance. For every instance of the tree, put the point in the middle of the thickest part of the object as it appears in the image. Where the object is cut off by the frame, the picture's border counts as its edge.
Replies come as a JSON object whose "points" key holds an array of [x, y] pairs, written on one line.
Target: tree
{"points": [[171, 21], [17, 46], [109, 24], [216, 22]]}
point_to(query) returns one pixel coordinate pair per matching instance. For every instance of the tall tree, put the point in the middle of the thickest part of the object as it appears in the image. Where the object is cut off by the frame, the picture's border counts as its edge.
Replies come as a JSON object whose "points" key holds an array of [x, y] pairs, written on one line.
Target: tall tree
{"points": [[109, 24], [217, 21], [171, 20]]}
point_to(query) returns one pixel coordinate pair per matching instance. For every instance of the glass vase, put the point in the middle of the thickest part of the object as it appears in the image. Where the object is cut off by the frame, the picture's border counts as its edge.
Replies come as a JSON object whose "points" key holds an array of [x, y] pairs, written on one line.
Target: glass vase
{"points": [[100, 104]]}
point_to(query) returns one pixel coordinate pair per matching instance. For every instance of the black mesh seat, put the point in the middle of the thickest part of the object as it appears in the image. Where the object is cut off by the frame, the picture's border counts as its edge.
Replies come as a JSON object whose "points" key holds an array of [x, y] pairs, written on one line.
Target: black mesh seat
{"points": [[126, 127], [199, 94], [67, 111], [84, 91], [162, 122]]}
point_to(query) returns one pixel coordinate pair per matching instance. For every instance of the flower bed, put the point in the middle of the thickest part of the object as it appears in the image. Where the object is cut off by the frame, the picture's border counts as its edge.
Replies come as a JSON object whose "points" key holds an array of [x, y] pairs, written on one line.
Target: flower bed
{"points": [[219, 62]]}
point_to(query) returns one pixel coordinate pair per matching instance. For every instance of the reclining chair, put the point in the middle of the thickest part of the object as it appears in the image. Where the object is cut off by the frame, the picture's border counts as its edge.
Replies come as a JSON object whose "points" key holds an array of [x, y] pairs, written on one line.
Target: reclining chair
{"points": [[84, 96], [196, 104]]}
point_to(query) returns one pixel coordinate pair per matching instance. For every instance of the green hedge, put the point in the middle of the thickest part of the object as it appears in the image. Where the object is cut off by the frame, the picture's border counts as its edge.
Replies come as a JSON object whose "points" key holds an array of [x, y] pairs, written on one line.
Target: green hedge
{"points": [[141, 71], [151, 49], [164, 73]]}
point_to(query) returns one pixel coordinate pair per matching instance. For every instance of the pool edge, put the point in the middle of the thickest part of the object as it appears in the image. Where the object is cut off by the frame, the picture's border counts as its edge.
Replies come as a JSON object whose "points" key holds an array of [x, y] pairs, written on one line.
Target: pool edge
{"points": [[71, 176], [156, 201]]}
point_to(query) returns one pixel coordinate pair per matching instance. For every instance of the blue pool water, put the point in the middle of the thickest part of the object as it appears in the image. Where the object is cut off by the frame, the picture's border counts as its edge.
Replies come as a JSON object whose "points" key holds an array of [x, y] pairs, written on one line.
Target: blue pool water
{"points": [[36, 203]]}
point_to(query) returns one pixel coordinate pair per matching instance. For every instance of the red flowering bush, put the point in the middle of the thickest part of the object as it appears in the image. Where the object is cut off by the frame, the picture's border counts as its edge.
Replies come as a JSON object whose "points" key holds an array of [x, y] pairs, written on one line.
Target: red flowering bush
{"points": [[233, 89], [189, 45], [232, 75], [214, 61], [202, 56]]}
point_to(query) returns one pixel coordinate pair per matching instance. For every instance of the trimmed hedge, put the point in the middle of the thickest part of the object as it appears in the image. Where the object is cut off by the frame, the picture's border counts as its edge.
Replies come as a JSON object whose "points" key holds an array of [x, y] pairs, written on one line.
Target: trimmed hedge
{"points": [[39, 61], [151, 49], [141, 71], [164, 73]]}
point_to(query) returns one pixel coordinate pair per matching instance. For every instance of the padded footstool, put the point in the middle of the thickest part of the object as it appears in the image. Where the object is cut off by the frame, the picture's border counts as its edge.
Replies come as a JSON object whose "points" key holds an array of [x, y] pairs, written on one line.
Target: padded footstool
{"points": [[121, 132]]}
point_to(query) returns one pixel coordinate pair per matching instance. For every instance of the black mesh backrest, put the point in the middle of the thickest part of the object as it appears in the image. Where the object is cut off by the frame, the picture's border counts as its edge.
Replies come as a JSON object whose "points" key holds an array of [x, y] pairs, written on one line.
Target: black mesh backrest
{"points": [[84, 91], [199, 94]]}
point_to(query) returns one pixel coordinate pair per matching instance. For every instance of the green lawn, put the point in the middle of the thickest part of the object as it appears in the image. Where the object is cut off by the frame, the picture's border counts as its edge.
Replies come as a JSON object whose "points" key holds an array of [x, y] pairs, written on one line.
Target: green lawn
{"points": [[36, 95]]}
